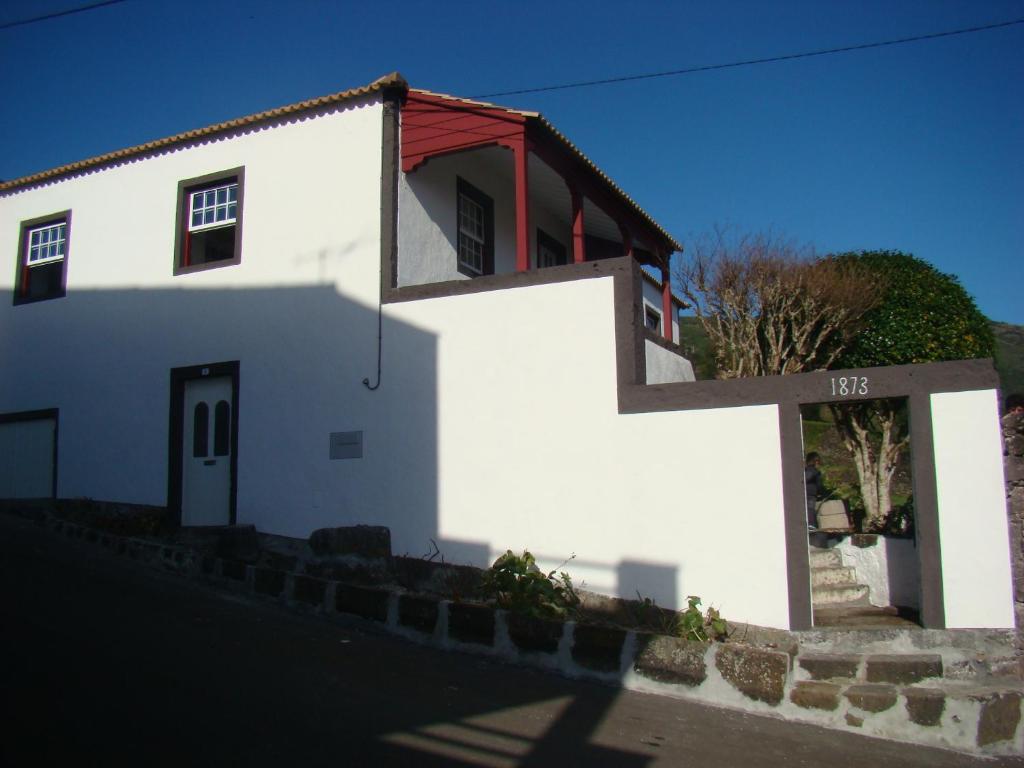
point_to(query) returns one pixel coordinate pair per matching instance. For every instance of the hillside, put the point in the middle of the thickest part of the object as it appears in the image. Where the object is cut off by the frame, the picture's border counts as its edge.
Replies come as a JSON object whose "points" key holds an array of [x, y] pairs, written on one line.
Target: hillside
{"points": [[1010, 356]]}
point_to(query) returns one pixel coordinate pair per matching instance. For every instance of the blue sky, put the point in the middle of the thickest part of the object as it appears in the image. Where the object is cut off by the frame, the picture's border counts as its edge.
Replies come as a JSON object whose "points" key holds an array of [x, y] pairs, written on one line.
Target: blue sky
{"points": [[917, 147]]}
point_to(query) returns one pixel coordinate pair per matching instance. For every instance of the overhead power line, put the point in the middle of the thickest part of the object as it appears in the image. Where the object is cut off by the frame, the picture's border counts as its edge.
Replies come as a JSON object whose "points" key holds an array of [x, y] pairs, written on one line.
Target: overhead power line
{"points": [[749, 62], [58, 14]]}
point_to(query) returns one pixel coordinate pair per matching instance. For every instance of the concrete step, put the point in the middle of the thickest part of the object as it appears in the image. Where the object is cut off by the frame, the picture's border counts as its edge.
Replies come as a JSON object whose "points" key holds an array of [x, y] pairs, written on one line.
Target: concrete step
{"points": [[840, 593], [825, 558], [833, 576], [853, 617]]}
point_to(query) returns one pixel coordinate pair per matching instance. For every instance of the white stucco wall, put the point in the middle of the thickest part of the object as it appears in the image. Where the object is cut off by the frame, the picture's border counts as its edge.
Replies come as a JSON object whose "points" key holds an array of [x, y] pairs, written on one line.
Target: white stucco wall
{"points": [[299, 308], [532, 453], [973, 538], [664, 366]]}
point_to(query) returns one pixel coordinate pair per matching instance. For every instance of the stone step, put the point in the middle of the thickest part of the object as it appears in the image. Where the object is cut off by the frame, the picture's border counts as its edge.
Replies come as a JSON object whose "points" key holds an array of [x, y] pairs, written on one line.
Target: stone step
{"points": [[858, 616], [825, 558], [840, 593], [833, 576]]}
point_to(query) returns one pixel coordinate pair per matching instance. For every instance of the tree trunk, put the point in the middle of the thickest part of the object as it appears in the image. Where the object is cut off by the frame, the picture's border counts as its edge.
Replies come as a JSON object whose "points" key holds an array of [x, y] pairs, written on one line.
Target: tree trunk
{"points": [[875, 438]]}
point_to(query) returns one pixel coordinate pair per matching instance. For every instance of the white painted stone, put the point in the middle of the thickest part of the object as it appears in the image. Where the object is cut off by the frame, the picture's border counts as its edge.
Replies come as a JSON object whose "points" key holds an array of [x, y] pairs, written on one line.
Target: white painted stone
{"points": [[890, 568], [976, 578]]}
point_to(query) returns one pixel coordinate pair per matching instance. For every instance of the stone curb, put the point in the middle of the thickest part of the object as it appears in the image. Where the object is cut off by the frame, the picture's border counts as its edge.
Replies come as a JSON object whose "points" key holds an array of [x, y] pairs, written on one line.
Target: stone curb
{"points": [[899, 697]]}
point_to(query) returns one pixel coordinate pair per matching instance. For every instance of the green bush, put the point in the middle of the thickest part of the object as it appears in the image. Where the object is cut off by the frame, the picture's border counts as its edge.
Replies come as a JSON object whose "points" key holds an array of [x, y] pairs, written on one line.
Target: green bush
{"points": [[515, 583]]}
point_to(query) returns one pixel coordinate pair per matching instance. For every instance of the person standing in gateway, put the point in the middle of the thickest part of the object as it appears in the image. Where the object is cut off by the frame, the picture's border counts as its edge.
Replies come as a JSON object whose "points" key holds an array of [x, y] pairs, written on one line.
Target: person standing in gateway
{"points": [[814, 485]]}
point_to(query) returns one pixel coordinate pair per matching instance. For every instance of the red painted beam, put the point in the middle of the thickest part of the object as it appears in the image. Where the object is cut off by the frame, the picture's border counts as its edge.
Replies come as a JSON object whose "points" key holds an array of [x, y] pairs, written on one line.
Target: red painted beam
{"points": [[521, 158], [596, 189], [579, 245], [666, 301]]}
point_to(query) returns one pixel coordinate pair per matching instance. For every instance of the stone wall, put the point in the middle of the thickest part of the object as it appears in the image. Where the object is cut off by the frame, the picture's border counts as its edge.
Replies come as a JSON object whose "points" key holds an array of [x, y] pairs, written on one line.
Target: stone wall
{"points": [[1013, 458]]}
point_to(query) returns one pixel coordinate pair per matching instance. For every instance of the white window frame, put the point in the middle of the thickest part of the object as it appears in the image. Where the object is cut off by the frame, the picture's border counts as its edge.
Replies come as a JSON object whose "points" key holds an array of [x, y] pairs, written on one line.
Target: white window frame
{"points": [[60, 241], [650, 313], [468, 203], [201, 194]]}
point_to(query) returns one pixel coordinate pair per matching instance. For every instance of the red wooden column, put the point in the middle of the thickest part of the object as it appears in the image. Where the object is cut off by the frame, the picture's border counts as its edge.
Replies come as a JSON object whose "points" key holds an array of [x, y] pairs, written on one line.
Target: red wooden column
{"points": [[666, 297], [579, 246], [521, 156]]}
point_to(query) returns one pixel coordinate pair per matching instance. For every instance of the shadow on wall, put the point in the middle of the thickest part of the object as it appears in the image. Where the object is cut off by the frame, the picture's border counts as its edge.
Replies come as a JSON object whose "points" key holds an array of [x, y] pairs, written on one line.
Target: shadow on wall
{"points": [[103, 358]]}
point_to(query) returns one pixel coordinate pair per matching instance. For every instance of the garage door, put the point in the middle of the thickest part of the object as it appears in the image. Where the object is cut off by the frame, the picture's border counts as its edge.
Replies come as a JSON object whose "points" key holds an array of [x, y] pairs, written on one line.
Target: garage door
{"points": [[27, 457]]}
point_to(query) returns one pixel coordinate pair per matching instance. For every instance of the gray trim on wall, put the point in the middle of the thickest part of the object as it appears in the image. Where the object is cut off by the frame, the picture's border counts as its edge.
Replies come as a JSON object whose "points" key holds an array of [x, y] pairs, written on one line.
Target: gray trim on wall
{"points": [[389, 194], [21, 266], [794, 502], [185, 187], [926, 509], [175, 432]]}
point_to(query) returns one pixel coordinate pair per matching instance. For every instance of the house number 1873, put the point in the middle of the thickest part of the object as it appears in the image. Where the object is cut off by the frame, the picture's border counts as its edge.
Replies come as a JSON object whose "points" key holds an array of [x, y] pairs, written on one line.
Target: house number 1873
{"points": [[849, 385]]}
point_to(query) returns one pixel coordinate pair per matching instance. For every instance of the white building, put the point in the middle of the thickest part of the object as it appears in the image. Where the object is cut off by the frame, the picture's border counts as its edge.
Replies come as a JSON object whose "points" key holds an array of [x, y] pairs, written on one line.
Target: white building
{"points": [[392, 307]]}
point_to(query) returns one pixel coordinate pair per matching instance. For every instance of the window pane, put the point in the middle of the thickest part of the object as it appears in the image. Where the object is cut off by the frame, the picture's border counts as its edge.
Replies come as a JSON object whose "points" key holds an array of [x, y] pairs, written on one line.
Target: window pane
{"points": [[221, 429], [200, 430], [233, 193], [35, 237]]}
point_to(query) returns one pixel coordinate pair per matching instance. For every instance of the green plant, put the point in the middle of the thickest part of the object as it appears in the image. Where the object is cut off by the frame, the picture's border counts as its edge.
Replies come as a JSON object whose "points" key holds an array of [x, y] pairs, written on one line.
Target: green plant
{"points": [[649, 615], [515, 583], [702, 627]]}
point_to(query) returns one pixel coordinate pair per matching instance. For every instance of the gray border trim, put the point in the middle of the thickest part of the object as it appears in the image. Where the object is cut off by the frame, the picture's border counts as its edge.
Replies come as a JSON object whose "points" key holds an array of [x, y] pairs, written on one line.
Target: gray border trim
{"points": [[389, 169], [40, 415], [798, 561], [926, 510], [181, 225], [19, 261], [176, 432], [661, 341]]}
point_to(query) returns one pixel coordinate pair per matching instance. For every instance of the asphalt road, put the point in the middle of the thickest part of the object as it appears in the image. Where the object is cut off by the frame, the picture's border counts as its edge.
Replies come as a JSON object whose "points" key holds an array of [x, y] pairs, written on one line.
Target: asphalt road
{"points": [[105, 661]]}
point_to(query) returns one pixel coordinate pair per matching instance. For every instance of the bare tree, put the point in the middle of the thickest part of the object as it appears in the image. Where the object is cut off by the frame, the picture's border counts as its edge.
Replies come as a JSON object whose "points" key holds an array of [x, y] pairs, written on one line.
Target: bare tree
{"points": [[770, 307]]}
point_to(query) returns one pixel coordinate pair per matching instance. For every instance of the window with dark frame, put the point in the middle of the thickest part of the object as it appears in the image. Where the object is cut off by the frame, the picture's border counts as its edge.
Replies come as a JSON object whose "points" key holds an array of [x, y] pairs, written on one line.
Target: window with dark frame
{"points": [[209, 223], [550, 252], [475, 222], [652, 319], [42, 258]]}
